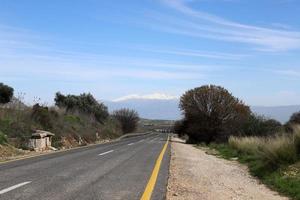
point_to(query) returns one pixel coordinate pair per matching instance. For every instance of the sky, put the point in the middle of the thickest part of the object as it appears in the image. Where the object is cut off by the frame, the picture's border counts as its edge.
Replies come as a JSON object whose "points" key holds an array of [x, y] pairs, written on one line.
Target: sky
{"points": [[135, 48]]}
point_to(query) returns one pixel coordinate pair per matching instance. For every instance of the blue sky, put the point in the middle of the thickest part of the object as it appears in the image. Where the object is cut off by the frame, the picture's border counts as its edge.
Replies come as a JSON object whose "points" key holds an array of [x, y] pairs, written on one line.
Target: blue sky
{"points": [[118, 48]]}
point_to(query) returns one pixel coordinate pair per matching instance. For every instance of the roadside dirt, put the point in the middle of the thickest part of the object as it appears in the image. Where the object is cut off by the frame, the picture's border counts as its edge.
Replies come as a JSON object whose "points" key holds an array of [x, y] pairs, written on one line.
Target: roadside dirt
{"points": [[197, 175]]}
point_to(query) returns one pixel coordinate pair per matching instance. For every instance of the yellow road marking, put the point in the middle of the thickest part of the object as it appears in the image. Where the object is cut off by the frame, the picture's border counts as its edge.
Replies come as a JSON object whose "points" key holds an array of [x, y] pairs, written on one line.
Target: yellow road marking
{"points": [[152, 181]]}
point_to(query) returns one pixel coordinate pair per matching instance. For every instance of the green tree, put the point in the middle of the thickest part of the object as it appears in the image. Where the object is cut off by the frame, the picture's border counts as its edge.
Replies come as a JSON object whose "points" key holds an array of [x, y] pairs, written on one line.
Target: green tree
{"points": [[6, 93], [84, 104], [127, 118], [212, 114]]}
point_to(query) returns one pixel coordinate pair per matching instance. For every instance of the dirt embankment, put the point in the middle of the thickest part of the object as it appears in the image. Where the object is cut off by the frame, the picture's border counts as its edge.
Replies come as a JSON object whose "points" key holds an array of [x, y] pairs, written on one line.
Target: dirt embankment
{"points": [[197, 175]]}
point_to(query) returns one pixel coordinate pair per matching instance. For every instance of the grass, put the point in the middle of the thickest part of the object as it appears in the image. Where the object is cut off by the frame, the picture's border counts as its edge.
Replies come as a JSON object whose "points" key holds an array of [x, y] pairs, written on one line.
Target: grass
{"points": [[274, 160]]}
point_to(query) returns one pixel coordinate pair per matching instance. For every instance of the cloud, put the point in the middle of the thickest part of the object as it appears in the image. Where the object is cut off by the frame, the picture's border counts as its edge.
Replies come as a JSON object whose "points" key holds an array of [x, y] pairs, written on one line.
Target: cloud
{"points": [[24, 54], [154, 96], [201, 24], [201, 54]]}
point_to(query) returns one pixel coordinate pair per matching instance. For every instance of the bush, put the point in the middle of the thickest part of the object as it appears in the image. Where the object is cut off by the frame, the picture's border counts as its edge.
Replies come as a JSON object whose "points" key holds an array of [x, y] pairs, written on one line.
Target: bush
{"points": [[6, 93], [212, 114], [111, 129], [180, 127], [260, 126], [127, 118], [3, 138], [295, 118], [43, 116]]}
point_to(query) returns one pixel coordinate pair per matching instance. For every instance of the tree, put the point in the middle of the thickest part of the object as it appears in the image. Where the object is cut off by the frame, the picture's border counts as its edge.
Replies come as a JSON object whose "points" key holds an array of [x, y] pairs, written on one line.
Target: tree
{"points": [[6, 93], [127, 118], [84, 104], [212, 113], [295, 118]]}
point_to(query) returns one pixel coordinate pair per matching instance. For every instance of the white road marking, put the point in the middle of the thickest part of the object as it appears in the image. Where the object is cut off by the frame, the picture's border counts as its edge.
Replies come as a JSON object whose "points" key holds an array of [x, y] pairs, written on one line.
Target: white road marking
{"points": [[101, 154], [130, 144], [14, 187]]}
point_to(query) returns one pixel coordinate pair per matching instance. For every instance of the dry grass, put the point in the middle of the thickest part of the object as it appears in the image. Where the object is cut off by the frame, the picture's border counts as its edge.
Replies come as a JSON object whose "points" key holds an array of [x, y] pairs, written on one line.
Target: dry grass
{"points": [[246, 144], [281, 149]]}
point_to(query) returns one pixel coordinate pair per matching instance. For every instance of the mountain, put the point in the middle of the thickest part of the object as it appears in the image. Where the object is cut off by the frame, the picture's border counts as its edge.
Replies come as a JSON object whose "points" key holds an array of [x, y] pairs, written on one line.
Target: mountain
{"points": [[162, 107], [149, 108], [280, 113]]}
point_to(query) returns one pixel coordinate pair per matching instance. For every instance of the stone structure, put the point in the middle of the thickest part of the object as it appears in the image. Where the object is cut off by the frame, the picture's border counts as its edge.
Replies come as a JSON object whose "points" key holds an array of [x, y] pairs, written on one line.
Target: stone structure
{"points": [[40, 140]]}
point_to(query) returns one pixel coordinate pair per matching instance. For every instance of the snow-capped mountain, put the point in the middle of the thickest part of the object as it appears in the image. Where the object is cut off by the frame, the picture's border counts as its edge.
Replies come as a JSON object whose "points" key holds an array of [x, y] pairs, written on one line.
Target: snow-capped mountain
{"points": [[162, 106]]}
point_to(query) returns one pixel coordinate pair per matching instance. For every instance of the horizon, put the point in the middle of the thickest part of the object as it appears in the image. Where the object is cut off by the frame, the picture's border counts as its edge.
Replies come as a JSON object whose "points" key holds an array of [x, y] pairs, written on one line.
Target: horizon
{"points": [[115, 50]]}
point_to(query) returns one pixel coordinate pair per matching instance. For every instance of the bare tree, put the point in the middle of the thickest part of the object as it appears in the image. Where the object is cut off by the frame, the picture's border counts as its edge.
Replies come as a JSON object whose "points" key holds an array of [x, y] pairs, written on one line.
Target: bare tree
{"points": [[127, 118]]}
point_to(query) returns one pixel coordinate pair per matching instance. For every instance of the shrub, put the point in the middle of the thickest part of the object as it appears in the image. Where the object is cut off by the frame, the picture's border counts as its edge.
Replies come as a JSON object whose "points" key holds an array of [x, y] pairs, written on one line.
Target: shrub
{"points": [[111, 128], [43, 116], [295, 118], [6, 93], [180, 127], [212, 114], [3, 138], [127, 118], [260, 126]]}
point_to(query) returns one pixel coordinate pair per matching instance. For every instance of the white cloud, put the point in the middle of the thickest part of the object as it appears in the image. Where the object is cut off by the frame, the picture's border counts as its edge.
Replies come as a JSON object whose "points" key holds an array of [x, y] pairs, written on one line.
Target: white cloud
{"points": [[154, 96], [194, 53], [200, 24]]}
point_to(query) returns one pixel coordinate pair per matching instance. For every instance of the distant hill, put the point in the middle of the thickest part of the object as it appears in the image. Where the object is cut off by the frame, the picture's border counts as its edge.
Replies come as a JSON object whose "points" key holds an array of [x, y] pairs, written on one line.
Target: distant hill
{"points": [[149, 108], [167, 109], [280, 113]]}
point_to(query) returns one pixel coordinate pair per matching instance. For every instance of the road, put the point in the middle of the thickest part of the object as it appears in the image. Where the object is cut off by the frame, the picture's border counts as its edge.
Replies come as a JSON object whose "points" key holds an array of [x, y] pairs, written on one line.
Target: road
{"points": [[117, 170]]}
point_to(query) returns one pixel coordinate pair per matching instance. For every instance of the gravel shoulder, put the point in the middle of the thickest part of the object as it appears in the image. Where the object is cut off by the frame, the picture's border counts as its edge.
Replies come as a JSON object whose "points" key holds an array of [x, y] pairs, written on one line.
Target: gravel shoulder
{"points": [[197, 175]]}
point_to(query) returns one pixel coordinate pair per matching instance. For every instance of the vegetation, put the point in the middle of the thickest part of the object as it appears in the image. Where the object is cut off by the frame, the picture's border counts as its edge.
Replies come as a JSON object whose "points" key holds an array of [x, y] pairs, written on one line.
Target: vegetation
{"points": [[6, 93], [84, 104], [275, 160], [260, 126], [295, 118], [127, 118], [211, 113], [271, 150], [3, 138], [74, 120]]}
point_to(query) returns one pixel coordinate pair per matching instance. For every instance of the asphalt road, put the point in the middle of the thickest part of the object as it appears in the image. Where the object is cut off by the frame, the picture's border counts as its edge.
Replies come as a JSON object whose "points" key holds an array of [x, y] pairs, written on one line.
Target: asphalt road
{"points": [[118, 170]]}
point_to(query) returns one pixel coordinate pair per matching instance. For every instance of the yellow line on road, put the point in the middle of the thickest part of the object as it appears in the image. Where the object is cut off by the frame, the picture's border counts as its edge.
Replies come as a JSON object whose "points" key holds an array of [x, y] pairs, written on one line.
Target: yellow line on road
{"points": [[152, 181]]}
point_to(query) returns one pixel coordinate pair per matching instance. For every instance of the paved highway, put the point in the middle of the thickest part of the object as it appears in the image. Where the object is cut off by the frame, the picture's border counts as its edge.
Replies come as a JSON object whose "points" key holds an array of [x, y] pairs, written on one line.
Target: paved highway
{"points": [[118, 170]]}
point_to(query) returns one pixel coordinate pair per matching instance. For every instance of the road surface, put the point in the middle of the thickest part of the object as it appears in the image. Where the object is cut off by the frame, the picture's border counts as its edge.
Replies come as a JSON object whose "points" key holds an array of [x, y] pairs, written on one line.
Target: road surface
{"points": [[118, 170]]}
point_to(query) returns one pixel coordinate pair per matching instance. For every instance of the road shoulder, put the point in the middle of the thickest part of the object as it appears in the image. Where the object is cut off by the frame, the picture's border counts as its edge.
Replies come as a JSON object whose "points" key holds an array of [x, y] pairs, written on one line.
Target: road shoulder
{"points": [[197, 175]]}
